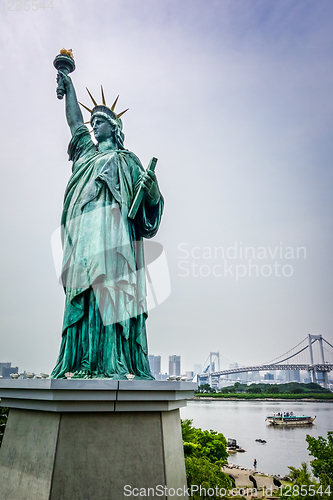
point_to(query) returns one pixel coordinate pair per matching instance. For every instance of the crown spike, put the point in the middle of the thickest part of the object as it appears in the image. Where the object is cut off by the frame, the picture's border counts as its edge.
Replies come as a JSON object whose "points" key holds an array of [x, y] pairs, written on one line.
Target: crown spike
{"points": [[85, 107], [120, 114], [91, 97], [114, 104], [103, 98]]}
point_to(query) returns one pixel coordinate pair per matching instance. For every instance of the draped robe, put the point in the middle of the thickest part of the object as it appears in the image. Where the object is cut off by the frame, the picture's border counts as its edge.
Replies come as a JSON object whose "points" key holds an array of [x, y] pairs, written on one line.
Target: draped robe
{"points": [[103, 270]]}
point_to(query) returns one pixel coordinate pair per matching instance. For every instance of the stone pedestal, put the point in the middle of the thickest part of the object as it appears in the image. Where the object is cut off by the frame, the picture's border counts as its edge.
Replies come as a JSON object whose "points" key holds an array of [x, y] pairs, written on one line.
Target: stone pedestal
{"points": [[92, 439]]}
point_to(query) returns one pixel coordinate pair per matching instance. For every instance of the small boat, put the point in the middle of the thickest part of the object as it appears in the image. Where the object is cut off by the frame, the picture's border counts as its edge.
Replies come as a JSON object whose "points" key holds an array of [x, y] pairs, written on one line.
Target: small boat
{"points": [[288, 418]]}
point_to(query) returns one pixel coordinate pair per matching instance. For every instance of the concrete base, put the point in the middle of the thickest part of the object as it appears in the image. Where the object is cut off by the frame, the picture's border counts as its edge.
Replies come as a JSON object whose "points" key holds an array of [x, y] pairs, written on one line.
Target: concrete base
{"points": [[86, 455]]}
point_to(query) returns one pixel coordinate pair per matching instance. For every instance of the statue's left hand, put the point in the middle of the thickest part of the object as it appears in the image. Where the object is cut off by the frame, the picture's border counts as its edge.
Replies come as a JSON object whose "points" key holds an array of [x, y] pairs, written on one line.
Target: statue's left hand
{"points": [[149, 183]]}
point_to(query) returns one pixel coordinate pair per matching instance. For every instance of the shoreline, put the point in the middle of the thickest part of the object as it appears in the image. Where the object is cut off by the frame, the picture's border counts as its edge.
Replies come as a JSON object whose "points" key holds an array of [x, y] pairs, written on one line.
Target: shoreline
{"points": [[245, 470], [292, 400], [263, 480]]}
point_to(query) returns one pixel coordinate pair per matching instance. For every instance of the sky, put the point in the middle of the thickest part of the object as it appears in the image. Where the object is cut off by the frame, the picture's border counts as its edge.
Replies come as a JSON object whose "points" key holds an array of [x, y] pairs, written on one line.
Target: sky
{"points": [[235, 99]]}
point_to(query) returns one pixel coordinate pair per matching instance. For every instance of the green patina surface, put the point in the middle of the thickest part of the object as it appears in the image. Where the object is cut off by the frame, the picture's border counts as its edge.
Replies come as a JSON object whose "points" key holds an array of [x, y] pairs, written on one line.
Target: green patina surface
{"points": [[103, 272]]}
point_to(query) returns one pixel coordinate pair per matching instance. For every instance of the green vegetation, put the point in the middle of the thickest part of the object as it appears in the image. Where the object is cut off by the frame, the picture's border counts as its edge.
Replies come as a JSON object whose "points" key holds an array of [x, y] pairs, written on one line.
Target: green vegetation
{"points": [[322, 451], [205, 454], [202, 472], [3, 421], [291, 390], [319, 487], [245, 395]]}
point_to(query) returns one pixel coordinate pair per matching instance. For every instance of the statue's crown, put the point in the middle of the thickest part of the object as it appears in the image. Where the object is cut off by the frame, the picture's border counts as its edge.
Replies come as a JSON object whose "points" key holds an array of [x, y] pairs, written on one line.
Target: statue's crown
{"points": [[103, 109]]}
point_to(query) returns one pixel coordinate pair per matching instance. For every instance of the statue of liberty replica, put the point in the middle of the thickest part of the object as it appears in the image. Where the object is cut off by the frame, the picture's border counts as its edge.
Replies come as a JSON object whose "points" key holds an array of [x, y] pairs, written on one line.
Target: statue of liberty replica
{"points": [[104, 435], [103, 225]]}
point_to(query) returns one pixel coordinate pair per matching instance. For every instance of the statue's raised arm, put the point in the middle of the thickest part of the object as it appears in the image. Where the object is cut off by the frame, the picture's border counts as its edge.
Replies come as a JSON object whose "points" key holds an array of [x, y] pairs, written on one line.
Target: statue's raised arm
{"points": [[73, 111], [65, 64]]}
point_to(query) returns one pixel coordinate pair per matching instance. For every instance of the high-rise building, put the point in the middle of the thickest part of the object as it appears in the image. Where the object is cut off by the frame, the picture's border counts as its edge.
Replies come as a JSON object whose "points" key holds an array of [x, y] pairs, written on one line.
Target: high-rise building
{"points": [[197, 368], [151, 362], [174, 365], [295, 376], [292, 376], [155, 365], [242, 376], [4, 365], [6, 369], [254, 376]]}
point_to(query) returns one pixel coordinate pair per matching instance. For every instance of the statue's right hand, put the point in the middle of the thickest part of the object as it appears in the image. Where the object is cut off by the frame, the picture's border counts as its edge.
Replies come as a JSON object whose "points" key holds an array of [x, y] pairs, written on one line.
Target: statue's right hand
{"points": [[63, 79], [64, 82]]}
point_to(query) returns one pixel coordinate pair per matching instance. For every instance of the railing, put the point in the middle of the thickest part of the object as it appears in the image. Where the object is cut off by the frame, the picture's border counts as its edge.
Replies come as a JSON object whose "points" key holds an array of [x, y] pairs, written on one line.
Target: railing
{"points": [[327, 367]]}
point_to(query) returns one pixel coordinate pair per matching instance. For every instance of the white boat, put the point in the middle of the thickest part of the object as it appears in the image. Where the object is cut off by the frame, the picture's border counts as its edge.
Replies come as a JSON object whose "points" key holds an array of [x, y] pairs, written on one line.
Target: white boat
{"points": [[288, 418]]}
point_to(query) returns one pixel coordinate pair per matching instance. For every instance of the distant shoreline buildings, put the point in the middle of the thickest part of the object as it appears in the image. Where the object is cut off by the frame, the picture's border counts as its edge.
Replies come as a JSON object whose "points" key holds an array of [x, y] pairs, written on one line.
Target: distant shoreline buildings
{"points": [[6, 369], [173, 369], [174, 365]]}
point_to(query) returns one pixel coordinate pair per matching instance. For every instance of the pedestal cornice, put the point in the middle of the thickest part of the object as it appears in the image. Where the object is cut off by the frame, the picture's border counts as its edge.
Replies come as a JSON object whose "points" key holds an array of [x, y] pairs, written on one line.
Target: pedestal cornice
{"points": [[102, 395]]}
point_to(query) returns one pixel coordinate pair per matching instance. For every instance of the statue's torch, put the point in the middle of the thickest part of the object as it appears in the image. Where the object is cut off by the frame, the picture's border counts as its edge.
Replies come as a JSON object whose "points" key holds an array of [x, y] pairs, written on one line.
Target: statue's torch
{"points": [[63, 62]]}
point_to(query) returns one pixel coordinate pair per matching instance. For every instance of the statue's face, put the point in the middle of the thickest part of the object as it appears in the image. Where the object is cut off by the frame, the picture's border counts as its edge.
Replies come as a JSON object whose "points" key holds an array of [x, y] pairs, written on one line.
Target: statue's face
{"points": [[102, 129]]}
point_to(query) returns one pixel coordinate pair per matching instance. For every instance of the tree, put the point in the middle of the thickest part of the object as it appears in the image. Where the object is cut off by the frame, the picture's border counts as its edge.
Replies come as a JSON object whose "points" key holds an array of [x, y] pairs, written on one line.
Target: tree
{"points": [[205, 453], [313, 387], [304, 486], [202, 472], [188, 431], [204, 388], [322, 451], [209, 444], [226, 390], [322, 467], [272, 389], [254, 390], [294, 388]]}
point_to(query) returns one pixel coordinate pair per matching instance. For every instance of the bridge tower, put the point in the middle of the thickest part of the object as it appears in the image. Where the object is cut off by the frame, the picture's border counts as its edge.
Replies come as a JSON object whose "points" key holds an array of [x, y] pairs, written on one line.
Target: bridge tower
{"points": [[314, 375], [213, 358]]}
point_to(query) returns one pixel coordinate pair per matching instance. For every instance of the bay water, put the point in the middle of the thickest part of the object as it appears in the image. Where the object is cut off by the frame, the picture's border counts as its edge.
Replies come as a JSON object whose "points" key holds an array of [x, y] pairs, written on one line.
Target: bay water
{"points": [[245, 422]]}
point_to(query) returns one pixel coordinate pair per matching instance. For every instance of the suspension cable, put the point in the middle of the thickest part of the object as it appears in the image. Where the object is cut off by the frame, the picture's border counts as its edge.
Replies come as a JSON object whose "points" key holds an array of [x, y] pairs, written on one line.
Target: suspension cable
{"points": [[203, 366], [293, 355], [327, 350], [271, 362], [229, 360], [327, 342]]}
